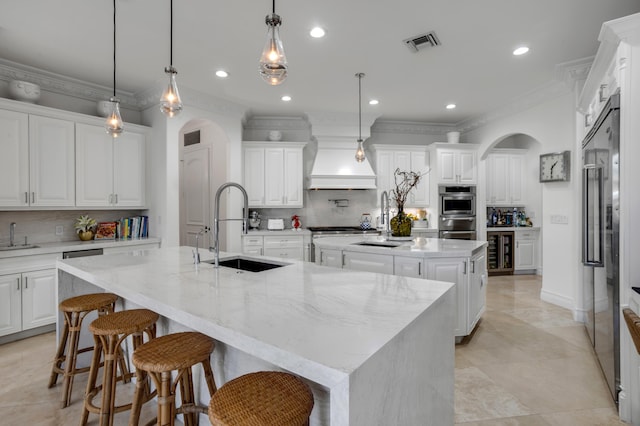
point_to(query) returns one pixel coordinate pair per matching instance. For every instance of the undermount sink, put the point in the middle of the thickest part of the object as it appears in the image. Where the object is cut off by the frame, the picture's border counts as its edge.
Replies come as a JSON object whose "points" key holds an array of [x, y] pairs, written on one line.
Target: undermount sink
{"points": [[247, 264], [378, 244], [18, 247]]}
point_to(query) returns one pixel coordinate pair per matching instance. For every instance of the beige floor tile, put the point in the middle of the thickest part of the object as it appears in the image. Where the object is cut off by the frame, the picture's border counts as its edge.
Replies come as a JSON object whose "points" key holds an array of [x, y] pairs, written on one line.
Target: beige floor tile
{"points": [[533, 420], [595, 417]]}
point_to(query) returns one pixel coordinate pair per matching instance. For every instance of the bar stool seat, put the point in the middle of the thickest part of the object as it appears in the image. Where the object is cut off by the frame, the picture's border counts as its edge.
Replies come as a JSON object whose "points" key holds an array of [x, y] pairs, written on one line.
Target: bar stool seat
{"points": [[74, 310], [109, 332], [261, 399], [158, 359]]}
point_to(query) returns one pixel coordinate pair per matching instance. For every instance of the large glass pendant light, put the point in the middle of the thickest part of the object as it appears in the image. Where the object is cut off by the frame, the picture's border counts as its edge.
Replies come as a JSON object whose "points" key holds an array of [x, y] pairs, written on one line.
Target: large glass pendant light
{"points": [[114, 124], [273, 62], [360, 151], [170, 102]]}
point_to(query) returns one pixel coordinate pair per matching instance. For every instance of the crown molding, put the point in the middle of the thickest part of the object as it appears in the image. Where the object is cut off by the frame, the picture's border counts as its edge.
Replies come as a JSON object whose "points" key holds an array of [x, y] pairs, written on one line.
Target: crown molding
{"points": [[411, 127], [263, 122], [60, 84]]}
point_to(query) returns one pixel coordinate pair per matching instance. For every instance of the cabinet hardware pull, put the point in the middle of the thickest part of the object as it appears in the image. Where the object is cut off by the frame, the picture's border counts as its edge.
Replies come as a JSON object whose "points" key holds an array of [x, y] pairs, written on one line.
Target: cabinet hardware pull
{"points": [[116, 198], [26, 198], [26, 283], [419, 268], [33, 197], [18, 280], [464, 268], [342, 259], [473, 266]]}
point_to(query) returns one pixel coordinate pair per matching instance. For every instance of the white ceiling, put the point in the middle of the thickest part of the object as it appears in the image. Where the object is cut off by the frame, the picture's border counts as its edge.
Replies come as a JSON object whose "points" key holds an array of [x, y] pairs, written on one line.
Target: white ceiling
{"points": [[473, 67]]}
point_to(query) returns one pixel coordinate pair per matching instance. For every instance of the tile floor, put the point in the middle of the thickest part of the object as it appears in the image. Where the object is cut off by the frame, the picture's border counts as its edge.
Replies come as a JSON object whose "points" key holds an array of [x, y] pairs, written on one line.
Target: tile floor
{"points": [[527, 364]]}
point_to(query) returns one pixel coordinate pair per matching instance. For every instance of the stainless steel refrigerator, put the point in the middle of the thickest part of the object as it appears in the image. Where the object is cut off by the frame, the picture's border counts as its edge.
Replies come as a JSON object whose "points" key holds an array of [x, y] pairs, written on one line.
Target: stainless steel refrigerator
{"points": [[600, 239]]}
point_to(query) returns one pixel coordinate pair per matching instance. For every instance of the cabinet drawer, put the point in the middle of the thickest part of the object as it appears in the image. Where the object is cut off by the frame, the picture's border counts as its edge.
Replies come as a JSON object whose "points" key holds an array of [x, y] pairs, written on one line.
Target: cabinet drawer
{"points": [[286, 252], [252, 241], [527, 235], [283, 241]]}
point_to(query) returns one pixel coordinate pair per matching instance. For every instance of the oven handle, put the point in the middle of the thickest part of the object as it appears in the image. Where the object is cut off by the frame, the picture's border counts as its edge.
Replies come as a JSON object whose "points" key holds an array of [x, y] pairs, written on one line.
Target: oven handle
{"points": [[469, 218]]}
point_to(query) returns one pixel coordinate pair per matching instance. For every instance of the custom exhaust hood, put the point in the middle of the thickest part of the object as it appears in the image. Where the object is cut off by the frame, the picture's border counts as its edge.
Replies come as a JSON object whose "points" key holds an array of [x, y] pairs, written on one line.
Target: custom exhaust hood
{"points": [[335, 167]]}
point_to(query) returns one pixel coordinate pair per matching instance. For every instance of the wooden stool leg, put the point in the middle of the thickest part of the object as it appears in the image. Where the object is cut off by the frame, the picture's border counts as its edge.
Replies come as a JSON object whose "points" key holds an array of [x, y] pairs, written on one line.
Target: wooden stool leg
{"points": [[188, 398], [75, 323], [208, 376], [93, 375], [138, 397], [110, 376], [166, 400]]}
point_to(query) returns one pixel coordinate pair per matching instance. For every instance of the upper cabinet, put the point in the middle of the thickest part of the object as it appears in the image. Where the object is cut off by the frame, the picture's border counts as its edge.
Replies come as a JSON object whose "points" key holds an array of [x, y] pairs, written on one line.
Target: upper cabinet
{"points": [[457, 164], [36, 161], [406, 158], [58, 159], [505, 177], [273, 173], [110, 172]]}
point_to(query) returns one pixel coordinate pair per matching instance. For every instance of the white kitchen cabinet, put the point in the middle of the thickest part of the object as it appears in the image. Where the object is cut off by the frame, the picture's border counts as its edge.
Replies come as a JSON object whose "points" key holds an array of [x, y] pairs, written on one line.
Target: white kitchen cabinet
{"points": [[505, 178], [477, 288], [252, 245], [28, 300], [453, 270], [526, 251], [286, 246], [329, 257], [110, 172], [408, 266], [406, 158], [368, 262], [273, 173], [36, 161], [456, 166]]}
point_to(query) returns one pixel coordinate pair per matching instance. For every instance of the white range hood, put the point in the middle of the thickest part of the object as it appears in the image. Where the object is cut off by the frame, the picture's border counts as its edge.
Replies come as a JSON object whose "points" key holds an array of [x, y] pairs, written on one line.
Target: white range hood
{"points": [[335, 167]]}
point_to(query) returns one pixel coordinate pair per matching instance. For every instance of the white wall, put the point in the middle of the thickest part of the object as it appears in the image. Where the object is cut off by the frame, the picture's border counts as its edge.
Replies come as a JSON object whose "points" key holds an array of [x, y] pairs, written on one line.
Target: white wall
{"points": [[552, 125]]}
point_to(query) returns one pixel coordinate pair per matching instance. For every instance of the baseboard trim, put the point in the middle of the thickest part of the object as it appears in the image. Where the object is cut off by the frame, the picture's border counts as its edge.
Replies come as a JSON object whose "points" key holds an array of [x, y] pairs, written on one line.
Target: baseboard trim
{"points": [[27, 333], [556, 299]]}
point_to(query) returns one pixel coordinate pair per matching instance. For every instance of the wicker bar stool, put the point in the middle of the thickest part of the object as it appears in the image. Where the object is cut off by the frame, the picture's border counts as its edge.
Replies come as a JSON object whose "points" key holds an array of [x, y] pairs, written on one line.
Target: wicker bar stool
{"points": [[261, 399], [74, 310], [109, 331], [158, 359]]}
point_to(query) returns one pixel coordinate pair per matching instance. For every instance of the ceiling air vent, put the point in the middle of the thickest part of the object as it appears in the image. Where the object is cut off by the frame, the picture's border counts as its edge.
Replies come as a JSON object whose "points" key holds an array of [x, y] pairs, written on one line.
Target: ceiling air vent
{"points": [[429, 39]]}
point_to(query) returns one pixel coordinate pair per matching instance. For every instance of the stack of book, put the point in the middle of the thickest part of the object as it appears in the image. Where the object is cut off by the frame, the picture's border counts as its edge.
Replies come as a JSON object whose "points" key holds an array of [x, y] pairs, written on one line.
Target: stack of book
{"points": [[133, 227]]}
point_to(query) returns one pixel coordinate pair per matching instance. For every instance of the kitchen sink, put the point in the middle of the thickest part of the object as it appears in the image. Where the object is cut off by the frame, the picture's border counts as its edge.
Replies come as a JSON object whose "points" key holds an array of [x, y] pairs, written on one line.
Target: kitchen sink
{"points": [[378, 244], [18, 247], [247, 264]]}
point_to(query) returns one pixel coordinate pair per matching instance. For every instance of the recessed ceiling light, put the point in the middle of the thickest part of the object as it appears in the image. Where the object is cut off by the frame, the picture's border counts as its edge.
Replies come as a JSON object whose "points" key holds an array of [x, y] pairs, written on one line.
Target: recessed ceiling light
{"points": [[374, 102], [451, 106], [222, 74], [317, 32], [521, 51], [286, 98]]}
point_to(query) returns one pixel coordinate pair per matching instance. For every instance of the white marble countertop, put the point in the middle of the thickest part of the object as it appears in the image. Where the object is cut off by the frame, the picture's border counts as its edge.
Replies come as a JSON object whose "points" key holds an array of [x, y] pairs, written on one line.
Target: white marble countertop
{"points": [[512, 228], [62, 246], [320, 322], [430, 247]]}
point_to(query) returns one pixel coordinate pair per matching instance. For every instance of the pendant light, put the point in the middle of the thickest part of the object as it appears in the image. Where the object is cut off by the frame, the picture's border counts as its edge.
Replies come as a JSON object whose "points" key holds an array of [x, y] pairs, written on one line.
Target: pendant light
{"points": [[360, 151], [170, 102], [273, 62], [114, 120]]}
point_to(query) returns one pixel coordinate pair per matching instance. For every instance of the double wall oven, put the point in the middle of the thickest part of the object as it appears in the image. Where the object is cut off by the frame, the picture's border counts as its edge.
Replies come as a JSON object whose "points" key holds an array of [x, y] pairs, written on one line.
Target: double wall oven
{"points": [[457, 212]]}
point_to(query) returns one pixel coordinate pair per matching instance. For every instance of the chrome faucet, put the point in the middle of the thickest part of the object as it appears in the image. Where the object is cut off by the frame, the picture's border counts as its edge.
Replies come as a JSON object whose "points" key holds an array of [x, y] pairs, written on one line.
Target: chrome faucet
{"points": [[12, 233], [196, 255], [217, 220], [384, 212]]}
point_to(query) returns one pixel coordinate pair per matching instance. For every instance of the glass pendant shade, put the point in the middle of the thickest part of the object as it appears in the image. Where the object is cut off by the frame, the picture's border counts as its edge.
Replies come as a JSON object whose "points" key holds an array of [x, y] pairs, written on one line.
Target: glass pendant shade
{"points": [[170, 102], [114, 120], [273, 62], [360, 152]]}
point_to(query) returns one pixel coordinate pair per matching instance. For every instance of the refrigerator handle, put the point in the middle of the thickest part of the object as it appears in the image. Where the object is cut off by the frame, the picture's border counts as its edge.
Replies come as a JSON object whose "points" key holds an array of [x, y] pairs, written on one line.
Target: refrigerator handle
{"points": [[585, 215]]}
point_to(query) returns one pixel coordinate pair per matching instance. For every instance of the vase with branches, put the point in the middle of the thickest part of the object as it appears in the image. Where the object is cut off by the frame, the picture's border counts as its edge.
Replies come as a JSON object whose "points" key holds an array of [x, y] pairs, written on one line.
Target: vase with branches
{"points": [[405, 182]]}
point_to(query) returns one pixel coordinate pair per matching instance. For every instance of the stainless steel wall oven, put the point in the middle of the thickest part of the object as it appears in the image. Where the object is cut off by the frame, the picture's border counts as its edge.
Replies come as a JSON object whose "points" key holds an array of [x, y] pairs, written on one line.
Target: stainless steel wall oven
{"points": [[457, 212]]}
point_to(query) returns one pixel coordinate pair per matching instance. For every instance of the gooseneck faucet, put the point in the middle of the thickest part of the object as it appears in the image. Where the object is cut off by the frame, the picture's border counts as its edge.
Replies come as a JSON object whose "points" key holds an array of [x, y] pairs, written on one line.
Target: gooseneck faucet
{"points": [[384, 211], [217, 220], [12, 233]]}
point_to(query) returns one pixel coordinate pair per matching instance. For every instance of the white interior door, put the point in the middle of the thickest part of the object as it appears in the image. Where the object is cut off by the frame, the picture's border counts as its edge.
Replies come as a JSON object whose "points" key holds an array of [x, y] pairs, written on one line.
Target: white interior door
{"points": [[195, 202]]}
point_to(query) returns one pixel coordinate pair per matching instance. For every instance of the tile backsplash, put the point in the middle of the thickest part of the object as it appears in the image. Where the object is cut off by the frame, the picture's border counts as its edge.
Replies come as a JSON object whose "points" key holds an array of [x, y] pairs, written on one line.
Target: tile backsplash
{"points": [[40, 226]]}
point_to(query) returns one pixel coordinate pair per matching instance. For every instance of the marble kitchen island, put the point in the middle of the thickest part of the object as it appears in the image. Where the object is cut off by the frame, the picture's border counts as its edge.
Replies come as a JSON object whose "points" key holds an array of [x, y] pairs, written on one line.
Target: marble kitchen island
{"points": [[376, 349]]}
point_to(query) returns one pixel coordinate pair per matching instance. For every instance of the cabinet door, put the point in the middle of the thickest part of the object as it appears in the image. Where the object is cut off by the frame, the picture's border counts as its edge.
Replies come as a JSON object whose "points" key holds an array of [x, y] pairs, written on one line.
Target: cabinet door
{"points": [[295, 253], [447, 166], [467, 172], [52, 162], [94, 166], [498, 179], [14, 159], [293, 193], [477, 288], [408, 266], [525, 255], [10, 304], [254, 175], [129, 153], [329, 257], [453, 271], [516, 180], [274, 176], [368, 262], [419, 196], [38, 298]]}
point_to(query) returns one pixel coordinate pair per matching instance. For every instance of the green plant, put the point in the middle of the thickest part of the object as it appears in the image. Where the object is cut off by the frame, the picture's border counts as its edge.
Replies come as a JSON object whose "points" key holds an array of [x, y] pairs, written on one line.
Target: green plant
{"points": [[84, 223]]}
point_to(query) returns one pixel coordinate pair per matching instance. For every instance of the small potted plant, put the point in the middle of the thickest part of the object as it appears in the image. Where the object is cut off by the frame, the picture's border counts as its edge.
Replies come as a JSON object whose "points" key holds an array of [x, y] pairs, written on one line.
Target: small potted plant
{"points": [[84, 227]]}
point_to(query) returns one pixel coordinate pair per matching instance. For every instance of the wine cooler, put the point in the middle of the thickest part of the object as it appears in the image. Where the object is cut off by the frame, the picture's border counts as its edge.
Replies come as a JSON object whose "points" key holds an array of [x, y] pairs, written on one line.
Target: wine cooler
{"points": [[500, 253]]}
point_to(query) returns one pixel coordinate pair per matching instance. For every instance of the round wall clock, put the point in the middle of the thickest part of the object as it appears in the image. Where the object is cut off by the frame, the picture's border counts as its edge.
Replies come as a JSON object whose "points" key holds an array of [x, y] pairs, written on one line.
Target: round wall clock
{"points": [[555, 166]]}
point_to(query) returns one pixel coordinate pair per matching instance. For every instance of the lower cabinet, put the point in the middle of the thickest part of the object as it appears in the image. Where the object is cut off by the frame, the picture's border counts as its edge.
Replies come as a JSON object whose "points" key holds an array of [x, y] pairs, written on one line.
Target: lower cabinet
{"points": [[477, 288], [27, 300], [526, 251], [252, 245], [329, 257], [408, 266], [453, 270], [285, 246], [368, 262]]}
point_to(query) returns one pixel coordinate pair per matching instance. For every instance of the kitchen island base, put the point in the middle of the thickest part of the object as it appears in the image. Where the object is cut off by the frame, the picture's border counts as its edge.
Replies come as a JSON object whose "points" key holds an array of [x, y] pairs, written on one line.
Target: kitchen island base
{"points": [[406, 381]]}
